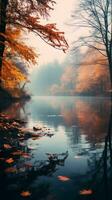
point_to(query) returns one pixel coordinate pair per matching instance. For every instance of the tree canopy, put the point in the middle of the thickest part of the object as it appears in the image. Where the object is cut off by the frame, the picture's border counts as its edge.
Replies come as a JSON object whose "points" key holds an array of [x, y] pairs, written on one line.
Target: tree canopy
{"points": [[18, 16]]}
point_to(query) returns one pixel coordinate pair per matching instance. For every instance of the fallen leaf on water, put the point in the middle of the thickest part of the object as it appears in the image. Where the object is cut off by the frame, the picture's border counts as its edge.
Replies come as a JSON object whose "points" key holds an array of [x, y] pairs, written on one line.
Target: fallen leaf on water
{"points": [[7, 146], [25, 193], [26, 155], [86, 192], [63, 178], [17, 153], [10, 170], [9, 160]]}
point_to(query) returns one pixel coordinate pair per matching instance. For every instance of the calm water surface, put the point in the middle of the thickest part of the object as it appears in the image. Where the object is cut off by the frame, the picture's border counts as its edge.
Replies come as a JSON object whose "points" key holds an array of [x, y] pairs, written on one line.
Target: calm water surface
{"points": [[78, 133]]}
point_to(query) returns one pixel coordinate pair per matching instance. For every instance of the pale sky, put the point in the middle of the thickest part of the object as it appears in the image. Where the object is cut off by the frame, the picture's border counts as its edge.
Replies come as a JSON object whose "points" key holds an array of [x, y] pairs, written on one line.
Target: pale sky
{"points": [[61, 16]]}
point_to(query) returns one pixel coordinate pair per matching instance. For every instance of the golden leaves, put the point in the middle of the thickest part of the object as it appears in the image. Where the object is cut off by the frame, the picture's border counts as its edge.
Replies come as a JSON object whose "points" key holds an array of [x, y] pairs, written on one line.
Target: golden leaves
{"points": [[12, 76], [22, 17], [15, 46]]}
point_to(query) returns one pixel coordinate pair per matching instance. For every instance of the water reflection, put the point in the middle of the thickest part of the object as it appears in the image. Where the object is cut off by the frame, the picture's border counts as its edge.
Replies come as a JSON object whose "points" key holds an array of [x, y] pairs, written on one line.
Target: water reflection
{"points": [[88, 116], [17, 110], [83, 126]]}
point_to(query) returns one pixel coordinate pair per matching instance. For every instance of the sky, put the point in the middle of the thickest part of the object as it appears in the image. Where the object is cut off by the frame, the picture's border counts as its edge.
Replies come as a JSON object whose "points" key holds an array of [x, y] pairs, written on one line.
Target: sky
{"points": [[52, 62], [61, 15]]}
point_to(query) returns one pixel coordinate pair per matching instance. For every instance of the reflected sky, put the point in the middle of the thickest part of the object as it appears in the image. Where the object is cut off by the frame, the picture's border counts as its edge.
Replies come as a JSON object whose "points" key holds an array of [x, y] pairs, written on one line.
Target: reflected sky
{"points": [[79, 125]]}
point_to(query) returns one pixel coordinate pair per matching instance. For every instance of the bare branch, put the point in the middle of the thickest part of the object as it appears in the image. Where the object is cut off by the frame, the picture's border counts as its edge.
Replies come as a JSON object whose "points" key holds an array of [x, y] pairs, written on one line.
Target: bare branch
{"points": [[96, 15]]}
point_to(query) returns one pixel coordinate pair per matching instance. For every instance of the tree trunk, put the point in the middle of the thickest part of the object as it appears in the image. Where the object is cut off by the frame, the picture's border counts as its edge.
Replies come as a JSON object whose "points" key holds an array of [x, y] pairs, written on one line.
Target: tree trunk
{"points": [[3, 7], [110, 71]]}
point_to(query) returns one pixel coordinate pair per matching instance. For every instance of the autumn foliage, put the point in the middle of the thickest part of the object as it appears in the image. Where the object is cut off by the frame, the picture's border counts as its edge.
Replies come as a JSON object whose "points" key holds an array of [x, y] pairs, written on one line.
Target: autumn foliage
{"points": [[12, 76], [89, 77], [93, 74], [30, 14], [18, 17]]}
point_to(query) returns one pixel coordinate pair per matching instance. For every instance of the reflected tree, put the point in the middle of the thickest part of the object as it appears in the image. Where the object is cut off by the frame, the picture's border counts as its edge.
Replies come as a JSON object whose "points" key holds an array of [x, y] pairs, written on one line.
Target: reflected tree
{"points": [[101, 168]]}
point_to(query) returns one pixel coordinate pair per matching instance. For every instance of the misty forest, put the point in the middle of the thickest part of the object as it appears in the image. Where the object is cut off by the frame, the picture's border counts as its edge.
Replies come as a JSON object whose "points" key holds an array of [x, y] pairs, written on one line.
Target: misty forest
{"points": [[56, 99]]}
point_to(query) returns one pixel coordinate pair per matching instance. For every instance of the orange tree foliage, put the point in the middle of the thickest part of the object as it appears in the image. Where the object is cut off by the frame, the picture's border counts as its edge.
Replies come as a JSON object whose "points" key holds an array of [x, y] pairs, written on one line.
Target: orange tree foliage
{"points": [[92, 74], [25, 14], [14, 47], [28, 14]]}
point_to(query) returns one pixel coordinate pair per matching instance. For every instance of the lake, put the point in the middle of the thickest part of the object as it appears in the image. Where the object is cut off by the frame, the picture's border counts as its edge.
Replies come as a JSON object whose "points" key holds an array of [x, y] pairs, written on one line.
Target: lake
{"points": [[73, 160]]}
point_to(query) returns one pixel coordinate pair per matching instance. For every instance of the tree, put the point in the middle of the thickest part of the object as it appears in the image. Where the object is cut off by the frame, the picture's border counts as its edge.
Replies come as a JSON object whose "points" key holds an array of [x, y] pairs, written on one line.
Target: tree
{"points": [[15, 49], [96, 16], [27, 14], [93, 75]]}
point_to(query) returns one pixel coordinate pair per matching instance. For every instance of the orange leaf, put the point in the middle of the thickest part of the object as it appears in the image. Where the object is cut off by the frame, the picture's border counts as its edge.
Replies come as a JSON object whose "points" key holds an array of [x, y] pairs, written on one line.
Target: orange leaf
{"points": [[7, 146], [25, 193], [17, 153], [9, 160], [86, 192], [63, 178]]}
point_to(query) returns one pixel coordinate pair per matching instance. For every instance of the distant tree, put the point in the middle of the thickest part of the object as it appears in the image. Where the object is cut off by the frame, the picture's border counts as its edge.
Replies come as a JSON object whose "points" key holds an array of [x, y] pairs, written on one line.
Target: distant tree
{"points": [[92, 75], [96, 16], [27, 14]]}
